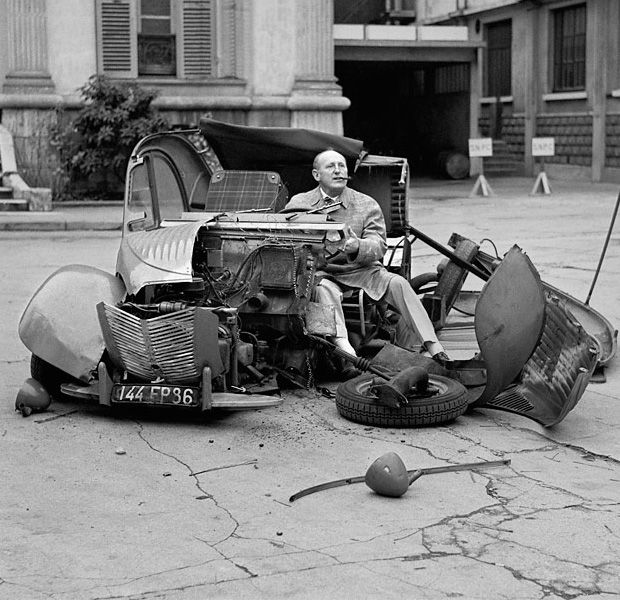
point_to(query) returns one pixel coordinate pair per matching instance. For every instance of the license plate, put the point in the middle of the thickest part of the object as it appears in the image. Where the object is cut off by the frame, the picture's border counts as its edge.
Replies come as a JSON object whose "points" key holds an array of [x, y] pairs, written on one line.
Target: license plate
{"points": [[172, 395]]}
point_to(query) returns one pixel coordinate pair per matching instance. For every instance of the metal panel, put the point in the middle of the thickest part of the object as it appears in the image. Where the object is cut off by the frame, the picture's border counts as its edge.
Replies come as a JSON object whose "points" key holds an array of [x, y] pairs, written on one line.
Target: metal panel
{"points": [[175, 347], [60, 323]]}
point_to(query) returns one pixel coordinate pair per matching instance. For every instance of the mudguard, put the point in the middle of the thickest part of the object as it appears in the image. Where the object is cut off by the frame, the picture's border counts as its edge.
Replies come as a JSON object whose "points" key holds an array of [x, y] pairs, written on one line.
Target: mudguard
{"points": [[509, 320], [60, 323], [524, 329]]}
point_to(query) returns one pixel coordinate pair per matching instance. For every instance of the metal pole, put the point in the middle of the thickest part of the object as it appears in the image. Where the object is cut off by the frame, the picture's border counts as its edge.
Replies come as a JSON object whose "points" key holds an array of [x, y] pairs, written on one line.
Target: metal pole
{"points": [[600, 261], [448, 253]]}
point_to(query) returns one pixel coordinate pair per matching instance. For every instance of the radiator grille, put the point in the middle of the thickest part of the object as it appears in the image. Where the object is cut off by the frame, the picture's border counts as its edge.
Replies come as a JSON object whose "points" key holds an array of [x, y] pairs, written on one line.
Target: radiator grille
{"points": [[149, 348]]}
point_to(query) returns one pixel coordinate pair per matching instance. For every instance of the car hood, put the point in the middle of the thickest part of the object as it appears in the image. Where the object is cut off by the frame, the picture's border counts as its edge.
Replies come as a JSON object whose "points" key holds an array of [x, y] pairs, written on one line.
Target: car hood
{"points": [[288, 151], [161, 255]]}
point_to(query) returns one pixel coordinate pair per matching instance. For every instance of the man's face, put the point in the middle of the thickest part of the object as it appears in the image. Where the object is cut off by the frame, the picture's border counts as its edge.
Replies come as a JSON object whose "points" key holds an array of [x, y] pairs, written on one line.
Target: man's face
{"points": [[331, 172]]}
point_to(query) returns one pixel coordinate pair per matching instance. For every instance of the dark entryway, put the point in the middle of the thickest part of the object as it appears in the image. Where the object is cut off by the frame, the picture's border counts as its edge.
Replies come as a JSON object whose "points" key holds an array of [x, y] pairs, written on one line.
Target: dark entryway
{"points": [[408, 109]]}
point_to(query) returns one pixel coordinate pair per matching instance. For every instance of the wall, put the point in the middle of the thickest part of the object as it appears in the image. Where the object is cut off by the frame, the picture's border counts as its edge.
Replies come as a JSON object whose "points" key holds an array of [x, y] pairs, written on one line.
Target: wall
{"points": [[430, 10], [71, 30], [282, 51], [585, 125]]}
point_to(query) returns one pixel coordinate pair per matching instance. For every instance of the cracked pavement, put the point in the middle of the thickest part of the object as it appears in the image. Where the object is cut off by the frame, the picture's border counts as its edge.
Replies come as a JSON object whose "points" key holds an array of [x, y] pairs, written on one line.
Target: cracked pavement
{"points": [[200, 508]]}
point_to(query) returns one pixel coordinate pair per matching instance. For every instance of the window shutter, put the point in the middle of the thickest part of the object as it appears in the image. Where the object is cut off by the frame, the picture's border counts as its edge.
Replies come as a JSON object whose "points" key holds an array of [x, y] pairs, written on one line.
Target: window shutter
{"points": [[198, 33], [117, 38]]}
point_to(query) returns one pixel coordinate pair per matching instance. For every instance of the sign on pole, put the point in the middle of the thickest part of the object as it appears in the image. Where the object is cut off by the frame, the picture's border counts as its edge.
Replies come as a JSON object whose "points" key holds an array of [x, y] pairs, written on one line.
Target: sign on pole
{"points": [[480, 147], [543, 146]]}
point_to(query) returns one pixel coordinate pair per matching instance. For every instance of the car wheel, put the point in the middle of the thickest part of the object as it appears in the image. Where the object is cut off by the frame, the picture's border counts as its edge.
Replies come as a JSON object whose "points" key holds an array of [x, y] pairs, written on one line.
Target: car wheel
{"points": [[49, 376], [356, 402]]}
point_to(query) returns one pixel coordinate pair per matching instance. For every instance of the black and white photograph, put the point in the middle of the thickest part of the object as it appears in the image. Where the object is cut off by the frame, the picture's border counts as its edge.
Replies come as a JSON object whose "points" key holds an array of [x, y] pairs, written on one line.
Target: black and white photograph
{"points": [[309, 299]]}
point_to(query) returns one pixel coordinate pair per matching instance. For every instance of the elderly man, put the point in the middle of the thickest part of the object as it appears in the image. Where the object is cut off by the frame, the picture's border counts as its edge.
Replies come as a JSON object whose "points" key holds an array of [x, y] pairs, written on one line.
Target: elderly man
{"points": [[360, 265]]}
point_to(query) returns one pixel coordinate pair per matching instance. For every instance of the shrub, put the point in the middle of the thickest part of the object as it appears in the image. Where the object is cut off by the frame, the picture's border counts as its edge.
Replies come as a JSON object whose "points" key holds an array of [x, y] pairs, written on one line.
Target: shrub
{"points": [[94, 146]]}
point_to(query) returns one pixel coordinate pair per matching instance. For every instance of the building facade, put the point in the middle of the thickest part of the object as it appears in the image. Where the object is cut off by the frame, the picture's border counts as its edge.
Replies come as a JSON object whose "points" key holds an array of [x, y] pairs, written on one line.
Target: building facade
{"points": [[414, 78], [256, 62], [549, 68]]}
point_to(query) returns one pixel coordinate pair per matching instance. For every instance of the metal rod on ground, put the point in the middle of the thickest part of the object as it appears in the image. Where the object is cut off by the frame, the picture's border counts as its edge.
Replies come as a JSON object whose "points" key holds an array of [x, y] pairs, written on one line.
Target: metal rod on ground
{"points": [[426, 471], [600, 261], [451, 255], [359, 362]]}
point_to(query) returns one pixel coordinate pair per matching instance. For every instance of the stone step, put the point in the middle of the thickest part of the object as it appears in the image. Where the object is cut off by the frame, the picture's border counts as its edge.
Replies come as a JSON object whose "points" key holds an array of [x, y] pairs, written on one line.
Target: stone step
{"points": [[503, 161], [12, 204]]}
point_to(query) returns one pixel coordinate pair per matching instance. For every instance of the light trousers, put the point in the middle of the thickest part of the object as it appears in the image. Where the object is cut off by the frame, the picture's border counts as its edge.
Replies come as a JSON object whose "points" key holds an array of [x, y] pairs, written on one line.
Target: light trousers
{"points": [[399, 295]]}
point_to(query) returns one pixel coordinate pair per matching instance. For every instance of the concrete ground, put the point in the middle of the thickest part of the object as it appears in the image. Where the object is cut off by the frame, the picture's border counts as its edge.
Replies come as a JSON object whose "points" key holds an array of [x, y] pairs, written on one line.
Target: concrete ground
{"points": [[95, 505]]}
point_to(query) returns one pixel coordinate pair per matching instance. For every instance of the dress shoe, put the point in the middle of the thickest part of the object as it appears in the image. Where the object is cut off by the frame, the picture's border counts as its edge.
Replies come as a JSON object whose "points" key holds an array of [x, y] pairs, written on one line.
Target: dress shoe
{"points": [[441, 358]]}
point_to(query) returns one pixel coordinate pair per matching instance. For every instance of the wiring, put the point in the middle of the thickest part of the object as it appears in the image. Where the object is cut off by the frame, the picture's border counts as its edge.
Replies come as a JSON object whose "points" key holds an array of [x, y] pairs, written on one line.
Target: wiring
{"points": [[492, 244]]}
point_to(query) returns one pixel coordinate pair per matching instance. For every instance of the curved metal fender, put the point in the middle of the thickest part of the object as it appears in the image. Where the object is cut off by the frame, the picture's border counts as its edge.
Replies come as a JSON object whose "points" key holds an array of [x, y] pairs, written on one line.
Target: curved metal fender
{"points": [[510, 315], [161, 255], [60, 323]]}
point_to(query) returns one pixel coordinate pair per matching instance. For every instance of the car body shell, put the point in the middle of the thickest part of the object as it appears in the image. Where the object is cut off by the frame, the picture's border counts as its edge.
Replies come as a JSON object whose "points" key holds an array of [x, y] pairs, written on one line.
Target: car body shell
{"points": [[175, 211]]}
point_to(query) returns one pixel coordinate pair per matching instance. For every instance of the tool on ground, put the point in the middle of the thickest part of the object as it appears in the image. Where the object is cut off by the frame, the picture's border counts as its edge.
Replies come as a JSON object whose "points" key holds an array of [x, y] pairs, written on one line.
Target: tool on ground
{"points": [[32, 397], [388, 476]]}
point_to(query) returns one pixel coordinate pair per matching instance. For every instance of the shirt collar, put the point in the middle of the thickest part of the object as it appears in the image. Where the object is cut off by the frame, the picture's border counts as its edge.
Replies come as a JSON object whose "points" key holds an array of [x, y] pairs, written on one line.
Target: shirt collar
{"points": [[343, 197]]}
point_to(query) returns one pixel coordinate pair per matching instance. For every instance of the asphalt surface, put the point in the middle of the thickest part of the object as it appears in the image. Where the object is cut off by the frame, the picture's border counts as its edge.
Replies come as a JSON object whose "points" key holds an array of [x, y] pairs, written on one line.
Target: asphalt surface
{"points": [[97, 505]]}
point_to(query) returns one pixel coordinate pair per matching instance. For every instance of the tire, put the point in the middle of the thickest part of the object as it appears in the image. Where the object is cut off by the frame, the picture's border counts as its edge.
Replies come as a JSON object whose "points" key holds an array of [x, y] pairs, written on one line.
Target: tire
{"points": [[425, 283], [355, 402], [49, 376]]}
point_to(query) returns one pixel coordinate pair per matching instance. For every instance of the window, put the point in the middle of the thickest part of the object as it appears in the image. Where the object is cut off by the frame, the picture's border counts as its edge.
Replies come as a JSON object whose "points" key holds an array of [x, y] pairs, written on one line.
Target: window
{"points": [[139, 214], [156, 42], [569, 49], [155, 193], [498, 67], [172, 38]]}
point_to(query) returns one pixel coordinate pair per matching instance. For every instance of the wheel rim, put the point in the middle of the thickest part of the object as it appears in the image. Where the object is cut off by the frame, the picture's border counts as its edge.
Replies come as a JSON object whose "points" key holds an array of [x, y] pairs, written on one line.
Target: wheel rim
{"points": [[435, 388]]}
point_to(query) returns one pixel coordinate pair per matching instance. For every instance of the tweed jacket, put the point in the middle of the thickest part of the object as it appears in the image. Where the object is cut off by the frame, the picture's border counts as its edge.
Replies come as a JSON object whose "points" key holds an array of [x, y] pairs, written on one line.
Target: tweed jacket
{"points": [[363, 214]]}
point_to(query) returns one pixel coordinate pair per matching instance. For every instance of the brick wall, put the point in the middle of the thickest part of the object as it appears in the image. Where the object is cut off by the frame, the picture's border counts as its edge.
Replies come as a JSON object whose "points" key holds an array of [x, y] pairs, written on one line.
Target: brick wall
{"points": [[573, 138], [513, 133], [612, 141]]}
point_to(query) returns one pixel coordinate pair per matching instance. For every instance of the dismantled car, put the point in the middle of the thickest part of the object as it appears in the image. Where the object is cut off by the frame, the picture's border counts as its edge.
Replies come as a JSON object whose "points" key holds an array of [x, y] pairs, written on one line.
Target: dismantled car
{"points": [[211, 303]]}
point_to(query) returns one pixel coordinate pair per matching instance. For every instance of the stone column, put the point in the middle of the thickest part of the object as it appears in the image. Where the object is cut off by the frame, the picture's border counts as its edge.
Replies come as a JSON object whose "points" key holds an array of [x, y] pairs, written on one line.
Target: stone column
{"points": [[316, 100], [27, 47], [531, 84], [598, 30]]}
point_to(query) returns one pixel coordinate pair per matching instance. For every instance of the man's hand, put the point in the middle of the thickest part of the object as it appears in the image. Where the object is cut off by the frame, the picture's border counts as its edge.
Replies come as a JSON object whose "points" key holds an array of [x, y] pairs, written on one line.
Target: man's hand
{"points": [[352, 243]]}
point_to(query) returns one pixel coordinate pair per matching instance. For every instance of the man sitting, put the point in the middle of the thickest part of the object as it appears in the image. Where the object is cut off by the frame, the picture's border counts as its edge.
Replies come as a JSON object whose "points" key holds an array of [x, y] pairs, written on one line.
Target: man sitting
{"points": [[360, 265]]}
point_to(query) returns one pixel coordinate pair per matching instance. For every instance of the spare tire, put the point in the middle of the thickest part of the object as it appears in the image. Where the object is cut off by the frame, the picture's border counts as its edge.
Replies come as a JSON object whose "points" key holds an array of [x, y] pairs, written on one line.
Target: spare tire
{"points": [[355, 402]]}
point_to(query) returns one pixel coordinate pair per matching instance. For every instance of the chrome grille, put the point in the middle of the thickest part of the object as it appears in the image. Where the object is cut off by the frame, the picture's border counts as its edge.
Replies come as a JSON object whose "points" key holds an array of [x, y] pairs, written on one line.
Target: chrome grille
{"points": [[149, 348]]}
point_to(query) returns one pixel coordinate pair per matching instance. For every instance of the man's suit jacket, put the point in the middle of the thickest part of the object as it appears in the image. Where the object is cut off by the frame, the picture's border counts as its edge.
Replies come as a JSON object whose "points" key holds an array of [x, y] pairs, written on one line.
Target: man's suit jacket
{"points": [[363, 214]]}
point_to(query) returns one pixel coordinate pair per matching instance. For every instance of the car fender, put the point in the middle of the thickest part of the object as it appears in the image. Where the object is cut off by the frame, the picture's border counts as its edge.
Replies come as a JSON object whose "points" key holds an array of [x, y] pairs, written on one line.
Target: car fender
{"points": [[161, 255], [60, 323]]}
